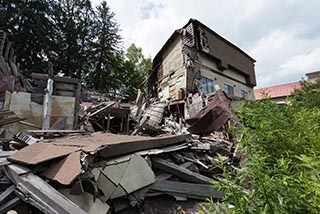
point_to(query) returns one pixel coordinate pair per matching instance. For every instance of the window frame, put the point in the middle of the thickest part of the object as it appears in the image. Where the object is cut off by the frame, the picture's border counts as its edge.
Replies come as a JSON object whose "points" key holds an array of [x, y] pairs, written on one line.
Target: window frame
{"points": [[208, 88], [229, 89]]}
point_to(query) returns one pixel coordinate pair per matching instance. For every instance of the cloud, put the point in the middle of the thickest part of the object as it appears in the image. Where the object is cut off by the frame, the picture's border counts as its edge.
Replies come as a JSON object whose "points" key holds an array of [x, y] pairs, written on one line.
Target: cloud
{"points": [[150, 9], [284, 56], [283, 36]]}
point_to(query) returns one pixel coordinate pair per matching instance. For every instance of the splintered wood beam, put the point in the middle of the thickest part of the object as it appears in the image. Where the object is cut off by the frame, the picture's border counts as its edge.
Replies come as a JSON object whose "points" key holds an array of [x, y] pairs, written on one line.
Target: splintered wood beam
{"points": [[180, 172], [47, 101]]}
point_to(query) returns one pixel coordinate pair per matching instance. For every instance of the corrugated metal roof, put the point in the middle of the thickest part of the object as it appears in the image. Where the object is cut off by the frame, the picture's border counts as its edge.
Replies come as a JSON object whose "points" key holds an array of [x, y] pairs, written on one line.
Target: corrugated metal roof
{"points": [[276, 91]]}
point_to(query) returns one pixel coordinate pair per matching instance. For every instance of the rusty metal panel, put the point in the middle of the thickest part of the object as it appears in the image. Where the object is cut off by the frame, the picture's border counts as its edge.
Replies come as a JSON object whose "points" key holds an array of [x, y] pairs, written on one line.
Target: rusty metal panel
{"points": [[213, 116], [41, 152], [66, 170], [112, 145]]}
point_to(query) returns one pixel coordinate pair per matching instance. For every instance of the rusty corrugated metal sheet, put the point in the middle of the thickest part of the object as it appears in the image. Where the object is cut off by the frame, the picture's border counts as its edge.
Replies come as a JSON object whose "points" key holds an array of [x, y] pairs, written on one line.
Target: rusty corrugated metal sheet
{"points": [[213, 116]]}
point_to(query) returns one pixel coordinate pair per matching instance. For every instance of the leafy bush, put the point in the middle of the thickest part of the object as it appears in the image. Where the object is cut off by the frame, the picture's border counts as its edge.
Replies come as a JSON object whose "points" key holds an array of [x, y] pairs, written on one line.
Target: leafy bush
{"points": [[282, 167]]}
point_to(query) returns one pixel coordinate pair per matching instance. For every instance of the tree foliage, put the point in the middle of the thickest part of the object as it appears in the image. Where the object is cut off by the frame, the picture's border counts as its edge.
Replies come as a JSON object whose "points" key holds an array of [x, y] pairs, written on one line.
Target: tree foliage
{"points": [[72, 20], [28, 26], [104, 48], [136, 69], [79, 40], [282, 168]]}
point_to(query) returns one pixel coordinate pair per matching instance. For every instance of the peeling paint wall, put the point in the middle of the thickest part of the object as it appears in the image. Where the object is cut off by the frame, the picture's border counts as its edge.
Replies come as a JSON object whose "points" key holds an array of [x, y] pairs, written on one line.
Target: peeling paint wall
{"points": [[21, 104], [173, 71]]}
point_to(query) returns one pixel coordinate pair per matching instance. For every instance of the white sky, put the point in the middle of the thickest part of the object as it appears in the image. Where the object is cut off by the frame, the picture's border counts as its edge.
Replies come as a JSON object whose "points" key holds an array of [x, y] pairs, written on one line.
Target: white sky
{"points": [[282, 36]]}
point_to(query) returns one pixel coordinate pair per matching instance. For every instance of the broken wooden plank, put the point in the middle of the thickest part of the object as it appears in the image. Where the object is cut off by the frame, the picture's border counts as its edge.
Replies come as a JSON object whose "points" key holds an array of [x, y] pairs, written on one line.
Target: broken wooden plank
{"points": [[109, 105], [47, 101], [180, 172], [194, 160], [2, 41], [197, 191], [164, 149], [35, 191], [45, 77], [6, 153], [30, 124], [5, 112], [4, 161], [6, 121]]}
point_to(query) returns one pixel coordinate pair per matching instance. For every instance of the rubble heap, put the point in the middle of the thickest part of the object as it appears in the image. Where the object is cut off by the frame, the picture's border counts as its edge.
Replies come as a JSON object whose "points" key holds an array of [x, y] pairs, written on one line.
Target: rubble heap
{"points": [[101, 172], [57, 156]]}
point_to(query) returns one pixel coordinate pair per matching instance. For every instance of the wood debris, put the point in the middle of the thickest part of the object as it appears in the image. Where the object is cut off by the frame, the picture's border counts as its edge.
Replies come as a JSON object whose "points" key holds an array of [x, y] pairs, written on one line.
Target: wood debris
{"points": [[106, 156]]}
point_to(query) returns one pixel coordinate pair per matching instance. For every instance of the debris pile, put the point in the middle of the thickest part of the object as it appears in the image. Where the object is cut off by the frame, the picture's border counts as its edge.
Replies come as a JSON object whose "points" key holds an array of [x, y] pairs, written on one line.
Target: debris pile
{"points": [[59, 155], [101, 172], [104, 172]]}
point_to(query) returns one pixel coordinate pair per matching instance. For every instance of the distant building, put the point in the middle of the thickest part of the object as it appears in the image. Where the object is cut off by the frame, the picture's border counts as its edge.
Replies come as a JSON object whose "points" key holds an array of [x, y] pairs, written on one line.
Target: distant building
{"points": [[280, 93], [197, 59]]}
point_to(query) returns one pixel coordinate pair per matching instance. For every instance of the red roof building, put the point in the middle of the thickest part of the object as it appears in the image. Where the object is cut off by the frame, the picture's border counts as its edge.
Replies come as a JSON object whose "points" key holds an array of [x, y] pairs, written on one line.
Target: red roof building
{"points": [[279, 93]]}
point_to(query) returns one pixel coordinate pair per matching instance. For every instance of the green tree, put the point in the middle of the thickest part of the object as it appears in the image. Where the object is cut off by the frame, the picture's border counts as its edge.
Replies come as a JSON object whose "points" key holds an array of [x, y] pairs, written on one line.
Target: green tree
{"points": [[308, 94], [72, 20], [136, 69], [104, 49], [29, 28]]}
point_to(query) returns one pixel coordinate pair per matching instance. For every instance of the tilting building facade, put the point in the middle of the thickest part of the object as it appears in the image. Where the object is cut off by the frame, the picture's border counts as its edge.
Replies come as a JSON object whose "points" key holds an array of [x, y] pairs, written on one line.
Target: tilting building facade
{"points": [[197, 59]]}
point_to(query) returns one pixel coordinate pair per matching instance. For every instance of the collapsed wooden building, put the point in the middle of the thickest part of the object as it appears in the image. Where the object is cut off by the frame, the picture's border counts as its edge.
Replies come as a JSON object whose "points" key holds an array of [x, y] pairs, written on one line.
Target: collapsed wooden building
{"points": [[61, 155]]}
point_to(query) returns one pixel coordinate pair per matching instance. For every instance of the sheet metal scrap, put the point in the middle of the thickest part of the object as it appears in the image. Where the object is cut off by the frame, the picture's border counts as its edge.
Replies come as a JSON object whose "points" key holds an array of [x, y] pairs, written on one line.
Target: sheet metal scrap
{"points": [[213, 116], [105, 145]]}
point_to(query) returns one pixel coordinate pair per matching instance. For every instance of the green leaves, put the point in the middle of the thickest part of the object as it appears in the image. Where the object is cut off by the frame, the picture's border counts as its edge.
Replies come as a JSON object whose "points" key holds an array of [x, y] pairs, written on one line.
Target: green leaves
{"points": [[282, 146]]}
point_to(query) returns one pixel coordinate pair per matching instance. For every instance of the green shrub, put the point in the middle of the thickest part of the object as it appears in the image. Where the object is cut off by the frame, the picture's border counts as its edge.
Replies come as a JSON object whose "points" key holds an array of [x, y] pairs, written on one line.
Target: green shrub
{"points": [[282, 168]]}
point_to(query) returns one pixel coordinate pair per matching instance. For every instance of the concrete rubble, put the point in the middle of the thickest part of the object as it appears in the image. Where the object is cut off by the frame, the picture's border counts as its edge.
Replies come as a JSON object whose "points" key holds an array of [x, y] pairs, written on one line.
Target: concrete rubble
{"points": [[61, 155]]}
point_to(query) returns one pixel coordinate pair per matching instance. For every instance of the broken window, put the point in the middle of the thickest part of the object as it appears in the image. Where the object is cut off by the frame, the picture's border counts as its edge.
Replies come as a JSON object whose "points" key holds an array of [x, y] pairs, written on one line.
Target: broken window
{"points": [[207, 85], [228, 89], [204, 41]]}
